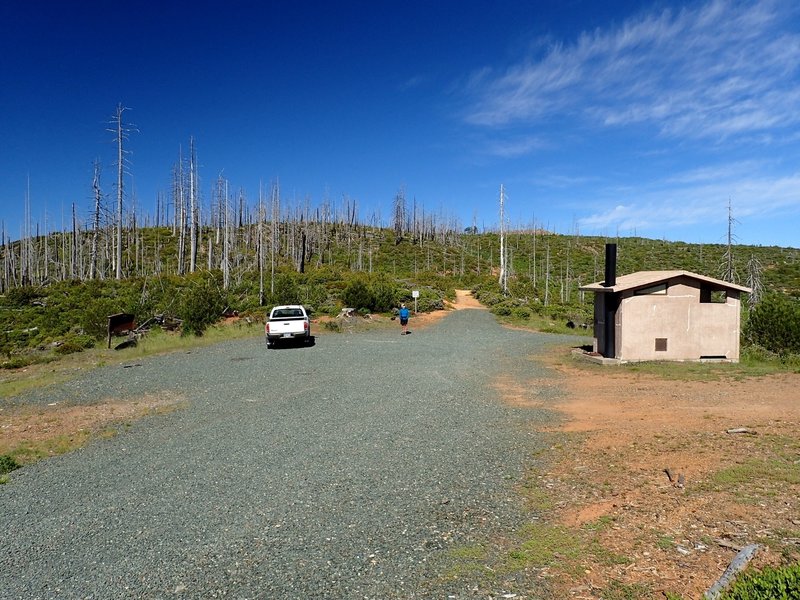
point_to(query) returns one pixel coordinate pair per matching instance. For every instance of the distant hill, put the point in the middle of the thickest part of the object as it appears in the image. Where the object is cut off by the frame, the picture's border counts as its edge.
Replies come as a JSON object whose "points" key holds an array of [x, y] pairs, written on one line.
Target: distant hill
{"points": [[63, 284]]}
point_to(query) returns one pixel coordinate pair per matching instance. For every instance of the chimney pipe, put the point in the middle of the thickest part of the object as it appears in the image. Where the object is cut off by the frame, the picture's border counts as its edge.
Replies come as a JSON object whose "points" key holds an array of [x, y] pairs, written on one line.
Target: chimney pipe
{"points": [[611, 265]]}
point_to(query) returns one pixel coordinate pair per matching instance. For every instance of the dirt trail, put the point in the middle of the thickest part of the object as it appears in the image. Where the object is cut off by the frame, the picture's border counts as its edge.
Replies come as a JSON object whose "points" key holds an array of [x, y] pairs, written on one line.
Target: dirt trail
{"points": [[465, 299]]}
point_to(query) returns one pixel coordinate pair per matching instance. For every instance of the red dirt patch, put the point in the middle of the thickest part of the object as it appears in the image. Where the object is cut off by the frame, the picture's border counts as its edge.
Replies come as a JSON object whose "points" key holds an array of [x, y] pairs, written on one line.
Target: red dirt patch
{"points": [[32, 426], [728, 489]]}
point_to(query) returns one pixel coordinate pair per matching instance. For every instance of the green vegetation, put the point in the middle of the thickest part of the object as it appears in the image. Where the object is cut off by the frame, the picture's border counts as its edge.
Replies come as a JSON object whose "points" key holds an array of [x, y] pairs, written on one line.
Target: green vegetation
{"points": [[544, 545], [202, 303], [774, 325], [46, 371], [757, 474], [31, 451], [329, 264], [781, 583], [7, 464], [377, 294]]}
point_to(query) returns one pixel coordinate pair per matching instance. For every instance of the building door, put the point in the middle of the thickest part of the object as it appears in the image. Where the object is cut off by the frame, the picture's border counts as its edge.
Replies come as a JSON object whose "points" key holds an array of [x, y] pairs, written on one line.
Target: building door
{"points": [[610, 338]]}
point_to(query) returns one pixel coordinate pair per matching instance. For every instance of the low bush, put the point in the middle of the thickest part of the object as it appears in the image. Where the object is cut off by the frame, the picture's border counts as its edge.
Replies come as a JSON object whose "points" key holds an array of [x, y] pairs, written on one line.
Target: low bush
{"points": [[18, 362], [384, 294], [202, 303], [426, 304], [75, 343], [68, 347], [22, 296], [356, 294], [781, 583], [8, 464], [376, 294], [503, 309], [333, 326], [774, 324], [287, 289], [522, 312]]}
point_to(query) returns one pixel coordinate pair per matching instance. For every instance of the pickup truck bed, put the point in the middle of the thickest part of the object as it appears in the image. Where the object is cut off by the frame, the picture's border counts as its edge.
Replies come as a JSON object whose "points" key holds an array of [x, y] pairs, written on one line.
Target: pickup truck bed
{"points": [[288, 322]]}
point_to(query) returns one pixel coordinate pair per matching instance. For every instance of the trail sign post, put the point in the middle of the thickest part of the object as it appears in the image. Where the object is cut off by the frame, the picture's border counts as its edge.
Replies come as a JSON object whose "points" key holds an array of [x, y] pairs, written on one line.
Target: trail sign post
{"points": [[415, 295]]}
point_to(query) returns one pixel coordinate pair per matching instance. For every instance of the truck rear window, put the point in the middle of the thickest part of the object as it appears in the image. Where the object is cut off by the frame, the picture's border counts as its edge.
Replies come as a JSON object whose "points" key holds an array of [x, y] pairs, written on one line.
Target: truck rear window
{"points": [[285, 314]]}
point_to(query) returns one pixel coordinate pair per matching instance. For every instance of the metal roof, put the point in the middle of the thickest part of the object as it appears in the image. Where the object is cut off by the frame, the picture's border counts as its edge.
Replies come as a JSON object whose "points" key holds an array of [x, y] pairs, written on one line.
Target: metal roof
{"points": [[642, 279]]}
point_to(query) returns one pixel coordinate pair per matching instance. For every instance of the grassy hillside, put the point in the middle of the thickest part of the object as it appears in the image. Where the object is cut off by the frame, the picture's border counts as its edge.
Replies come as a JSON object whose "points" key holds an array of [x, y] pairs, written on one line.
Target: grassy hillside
{"points": [[341, 265]]}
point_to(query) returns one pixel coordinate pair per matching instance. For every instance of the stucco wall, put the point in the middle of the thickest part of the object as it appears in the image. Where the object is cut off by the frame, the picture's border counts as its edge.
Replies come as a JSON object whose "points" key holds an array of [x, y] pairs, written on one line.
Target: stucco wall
{"points": [[692, 329]]}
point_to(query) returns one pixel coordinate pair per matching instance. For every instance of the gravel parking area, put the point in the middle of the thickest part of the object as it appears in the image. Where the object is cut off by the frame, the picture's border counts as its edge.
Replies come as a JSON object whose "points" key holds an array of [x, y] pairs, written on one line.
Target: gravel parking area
{"points": [[348, 469]]}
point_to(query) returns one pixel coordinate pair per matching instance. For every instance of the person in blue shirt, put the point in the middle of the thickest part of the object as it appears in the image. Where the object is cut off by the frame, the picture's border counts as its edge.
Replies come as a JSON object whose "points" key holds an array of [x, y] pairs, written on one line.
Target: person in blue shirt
{"points": [[404, 318]]}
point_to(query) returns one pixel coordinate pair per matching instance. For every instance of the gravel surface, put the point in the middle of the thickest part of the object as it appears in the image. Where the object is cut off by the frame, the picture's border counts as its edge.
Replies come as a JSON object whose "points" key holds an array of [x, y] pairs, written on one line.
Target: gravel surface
{"points": [[349, 469]]}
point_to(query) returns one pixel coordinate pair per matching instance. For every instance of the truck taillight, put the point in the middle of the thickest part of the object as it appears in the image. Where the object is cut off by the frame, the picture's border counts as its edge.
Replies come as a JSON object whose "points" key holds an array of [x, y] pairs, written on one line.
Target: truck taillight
{"points": [[305, 325], [266, 328]]}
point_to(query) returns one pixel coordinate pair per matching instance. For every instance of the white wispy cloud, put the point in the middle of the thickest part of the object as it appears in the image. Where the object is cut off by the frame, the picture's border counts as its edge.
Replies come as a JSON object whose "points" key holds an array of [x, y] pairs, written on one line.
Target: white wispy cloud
{"points": [[697, 198], [719, 70], [716, 173], [412, 82], [512, 147]]}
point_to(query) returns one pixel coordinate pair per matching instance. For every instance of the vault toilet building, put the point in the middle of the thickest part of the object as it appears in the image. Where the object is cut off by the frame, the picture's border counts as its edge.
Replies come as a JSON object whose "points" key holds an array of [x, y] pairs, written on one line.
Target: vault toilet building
{"points": [[665, 315]]}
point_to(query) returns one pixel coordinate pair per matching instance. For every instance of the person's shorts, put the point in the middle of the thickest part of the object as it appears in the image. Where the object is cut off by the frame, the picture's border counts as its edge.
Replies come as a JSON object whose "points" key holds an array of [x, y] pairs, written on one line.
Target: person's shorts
{"points": [[403, 321]]}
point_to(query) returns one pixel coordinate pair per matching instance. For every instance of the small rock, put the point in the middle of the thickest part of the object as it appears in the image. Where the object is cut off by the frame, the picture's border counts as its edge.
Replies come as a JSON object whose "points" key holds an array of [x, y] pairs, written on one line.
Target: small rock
{"points": [[741, 430]]}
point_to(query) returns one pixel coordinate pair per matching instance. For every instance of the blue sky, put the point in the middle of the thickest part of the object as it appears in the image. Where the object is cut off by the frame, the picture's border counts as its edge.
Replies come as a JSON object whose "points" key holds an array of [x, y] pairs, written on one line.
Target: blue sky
{"points": [[625, 117]]}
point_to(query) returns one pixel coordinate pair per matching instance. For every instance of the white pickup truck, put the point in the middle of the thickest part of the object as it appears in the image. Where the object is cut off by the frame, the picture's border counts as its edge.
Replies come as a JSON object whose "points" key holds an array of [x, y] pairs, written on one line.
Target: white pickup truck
{"points": [[288, 322]]}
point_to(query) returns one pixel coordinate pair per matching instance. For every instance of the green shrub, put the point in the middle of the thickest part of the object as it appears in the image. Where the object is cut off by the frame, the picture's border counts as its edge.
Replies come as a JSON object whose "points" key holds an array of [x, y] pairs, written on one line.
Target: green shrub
{"points": [[383, 295], [376, 294], [75, 343], [505, 308], [314, 296], [18, 362], [774, 324], [22, 296], [357, 294], [202, 303], [333, 326], [287, 290], [68, 347], [427, 304], [93, 317], [8, 464], [752, 353], [770, 584], [522, 312]]}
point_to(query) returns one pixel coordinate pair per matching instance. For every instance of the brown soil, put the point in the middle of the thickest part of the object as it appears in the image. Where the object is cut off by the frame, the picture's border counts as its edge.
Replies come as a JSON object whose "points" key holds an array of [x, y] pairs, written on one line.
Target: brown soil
{"points": [[610, 481], [58, 427], [464, 300]]}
